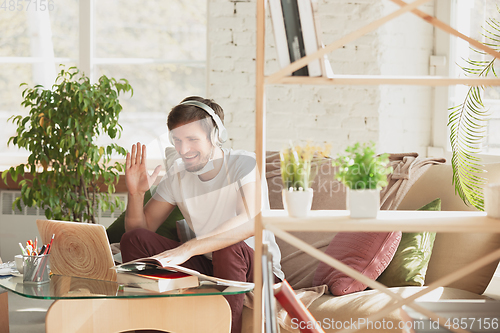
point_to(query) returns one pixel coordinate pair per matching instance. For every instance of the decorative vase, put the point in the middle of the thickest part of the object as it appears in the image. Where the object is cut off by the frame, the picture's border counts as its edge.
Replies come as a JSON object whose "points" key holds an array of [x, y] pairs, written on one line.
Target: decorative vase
{"points": [[297, 203], [363, 204]]}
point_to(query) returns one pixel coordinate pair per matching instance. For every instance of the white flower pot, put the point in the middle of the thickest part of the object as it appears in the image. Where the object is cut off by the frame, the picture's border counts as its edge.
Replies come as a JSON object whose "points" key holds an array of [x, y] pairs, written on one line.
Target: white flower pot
{"points": [[297, 203], [363, 204]]}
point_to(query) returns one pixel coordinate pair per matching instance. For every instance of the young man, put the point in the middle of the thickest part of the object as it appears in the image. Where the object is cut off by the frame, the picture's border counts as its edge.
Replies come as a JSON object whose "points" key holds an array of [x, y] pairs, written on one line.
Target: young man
{"points": [[214, 188]]}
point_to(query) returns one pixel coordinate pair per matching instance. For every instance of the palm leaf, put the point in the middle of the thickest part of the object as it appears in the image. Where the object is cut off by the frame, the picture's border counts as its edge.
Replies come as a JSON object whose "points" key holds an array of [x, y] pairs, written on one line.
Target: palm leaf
{"points": [[467, 123]]}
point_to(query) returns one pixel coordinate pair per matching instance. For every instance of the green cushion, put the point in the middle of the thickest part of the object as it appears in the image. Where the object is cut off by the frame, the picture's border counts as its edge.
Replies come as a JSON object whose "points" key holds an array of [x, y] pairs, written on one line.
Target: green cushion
{"points": [[167, 229], [409, 265]]}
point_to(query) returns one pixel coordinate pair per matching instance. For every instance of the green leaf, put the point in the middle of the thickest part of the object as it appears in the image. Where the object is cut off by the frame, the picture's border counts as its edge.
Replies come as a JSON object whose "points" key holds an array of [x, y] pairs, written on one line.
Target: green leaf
{"points": [[59, 133]]}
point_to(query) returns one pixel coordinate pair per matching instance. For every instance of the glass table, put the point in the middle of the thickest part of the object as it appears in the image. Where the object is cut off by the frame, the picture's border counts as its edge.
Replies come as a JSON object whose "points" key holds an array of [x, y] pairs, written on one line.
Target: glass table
{"points": [[87, 305]]}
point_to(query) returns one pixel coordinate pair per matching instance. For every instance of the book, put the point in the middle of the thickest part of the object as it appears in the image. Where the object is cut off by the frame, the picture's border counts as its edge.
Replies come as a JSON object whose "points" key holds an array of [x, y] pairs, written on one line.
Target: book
{"points": [[279, 32], [294, 34], [309, 35], [295, 308], [297, 33], [157, 279], [153, 262]]}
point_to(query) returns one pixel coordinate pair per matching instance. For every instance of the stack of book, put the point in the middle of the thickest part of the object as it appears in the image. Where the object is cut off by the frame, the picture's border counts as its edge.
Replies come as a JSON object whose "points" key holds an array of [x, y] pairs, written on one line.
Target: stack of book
{"points": [[159, 280], [297, 34], [156, 275]]}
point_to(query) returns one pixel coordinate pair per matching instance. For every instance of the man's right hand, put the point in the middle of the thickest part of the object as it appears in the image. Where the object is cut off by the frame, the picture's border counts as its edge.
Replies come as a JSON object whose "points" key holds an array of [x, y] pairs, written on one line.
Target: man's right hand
{"points": [[137, 179]]}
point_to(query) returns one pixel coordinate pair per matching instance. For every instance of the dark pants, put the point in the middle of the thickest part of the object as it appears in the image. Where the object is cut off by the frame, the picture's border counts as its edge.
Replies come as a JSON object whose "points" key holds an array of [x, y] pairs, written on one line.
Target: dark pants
{"points": [[234, 262]]}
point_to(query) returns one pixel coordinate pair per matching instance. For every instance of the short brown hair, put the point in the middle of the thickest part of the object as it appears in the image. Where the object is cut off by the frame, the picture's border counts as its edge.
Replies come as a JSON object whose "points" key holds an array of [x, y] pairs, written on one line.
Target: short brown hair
{"points": [[184, 114]]}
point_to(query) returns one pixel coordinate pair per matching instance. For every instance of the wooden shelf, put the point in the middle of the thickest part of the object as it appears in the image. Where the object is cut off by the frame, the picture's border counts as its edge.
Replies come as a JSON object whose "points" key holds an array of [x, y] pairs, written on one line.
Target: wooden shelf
{"points": [[406, 221], [384, 79]]}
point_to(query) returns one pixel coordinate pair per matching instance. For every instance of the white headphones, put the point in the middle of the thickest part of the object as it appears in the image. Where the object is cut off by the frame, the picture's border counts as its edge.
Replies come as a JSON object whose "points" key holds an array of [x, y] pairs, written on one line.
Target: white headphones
{"points": [[219, 133]]}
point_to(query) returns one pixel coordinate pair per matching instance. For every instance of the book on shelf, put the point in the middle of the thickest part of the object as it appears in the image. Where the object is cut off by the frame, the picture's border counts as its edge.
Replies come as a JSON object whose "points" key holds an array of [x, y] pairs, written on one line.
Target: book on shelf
{"points": [[153, 262], [285, 295], [297, 33], [157, 279], [293, 29], [309, 35], [279, 32]]}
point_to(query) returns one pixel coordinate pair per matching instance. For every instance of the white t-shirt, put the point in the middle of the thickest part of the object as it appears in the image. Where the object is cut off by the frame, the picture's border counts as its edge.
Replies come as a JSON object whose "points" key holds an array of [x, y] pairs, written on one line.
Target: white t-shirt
{"points": [[207, 204]]}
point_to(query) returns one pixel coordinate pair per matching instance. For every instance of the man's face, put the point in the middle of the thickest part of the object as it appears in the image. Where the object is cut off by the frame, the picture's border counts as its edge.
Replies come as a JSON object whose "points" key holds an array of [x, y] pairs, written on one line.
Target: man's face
{"points": [[193, 145]]}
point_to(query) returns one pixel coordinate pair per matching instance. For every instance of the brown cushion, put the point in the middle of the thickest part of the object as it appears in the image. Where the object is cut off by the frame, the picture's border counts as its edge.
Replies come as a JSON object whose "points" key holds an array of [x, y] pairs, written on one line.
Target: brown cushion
{"points": [[299, 267]]}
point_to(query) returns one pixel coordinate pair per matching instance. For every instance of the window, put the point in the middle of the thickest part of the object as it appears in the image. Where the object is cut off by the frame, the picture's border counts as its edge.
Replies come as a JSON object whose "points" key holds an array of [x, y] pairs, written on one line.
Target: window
{"points": [[468, 17], [159, 46]]}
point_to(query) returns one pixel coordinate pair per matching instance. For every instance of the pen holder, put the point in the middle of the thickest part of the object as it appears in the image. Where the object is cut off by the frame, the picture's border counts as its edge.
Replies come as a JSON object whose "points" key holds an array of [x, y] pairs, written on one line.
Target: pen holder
{"points": [[36, 269]]}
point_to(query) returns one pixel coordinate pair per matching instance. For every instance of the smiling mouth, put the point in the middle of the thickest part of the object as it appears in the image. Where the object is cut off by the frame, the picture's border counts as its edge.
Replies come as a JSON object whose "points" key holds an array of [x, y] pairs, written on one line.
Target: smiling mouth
{"points": [[189, 158]]}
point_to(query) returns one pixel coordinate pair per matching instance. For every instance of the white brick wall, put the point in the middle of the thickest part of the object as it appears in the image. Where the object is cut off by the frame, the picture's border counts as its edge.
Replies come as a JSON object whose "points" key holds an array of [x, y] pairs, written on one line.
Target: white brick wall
{"points": [[397, 118]]}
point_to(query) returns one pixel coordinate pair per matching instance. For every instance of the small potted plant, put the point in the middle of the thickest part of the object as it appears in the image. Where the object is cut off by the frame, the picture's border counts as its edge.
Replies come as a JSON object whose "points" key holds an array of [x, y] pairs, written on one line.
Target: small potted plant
{"points": [[364, 173], [298, 168]]}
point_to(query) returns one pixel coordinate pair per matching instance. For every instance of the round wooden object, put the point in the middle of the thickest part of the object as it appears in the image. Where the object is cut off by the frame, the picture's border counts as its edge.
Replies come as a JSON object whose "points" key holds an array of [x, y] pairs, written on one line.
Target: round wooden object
{"points": [[78, 249]]}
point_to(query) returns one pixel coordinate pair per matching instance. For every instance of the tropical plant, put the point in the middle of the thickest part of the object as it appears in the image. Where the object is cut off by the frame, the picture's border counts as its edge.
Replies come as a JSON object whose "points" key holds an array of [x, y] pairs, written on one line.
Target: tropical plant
{"points": [[299, 165], [361, 168], [467, 122], [67, 169]]}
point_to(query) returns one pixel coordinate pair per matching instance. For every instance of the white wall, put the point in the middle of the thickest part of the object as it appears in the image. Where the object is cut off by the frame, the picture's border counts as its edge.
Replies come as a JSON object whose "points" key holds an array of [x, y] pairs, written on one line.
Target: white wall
{"points": [[18, 227], [398, 118]]}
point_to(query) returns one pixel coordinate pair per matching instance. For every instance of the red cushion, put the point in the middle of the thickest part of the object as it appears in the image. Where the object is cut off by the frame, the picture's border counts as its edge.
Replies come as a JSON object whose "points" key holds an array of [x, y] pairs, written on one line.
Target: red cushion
{"points": [[367, 252]]}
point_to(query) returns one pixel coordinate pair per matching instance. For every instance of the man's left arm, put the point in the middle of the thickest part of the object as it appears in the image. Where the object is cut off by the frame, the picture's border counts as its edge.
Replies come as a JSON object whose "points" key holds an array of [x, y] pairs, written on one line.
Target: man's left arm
{"points": [[228, 233]]}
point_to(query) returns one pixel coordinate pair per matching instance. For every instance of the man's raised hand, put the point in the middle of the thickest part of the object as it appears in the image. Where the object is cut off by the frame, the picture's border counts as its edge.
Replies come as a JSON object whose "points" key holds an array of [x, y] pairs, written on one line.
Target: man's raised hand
{"points": [[137, 179]]}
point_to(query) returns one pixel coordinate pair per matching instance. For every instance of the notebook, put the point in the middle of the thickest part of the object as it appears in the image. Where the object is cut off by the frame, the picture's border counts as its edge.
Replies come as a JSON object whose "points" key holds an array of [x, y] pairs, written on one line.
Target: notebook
{"points": [[79, 249]]}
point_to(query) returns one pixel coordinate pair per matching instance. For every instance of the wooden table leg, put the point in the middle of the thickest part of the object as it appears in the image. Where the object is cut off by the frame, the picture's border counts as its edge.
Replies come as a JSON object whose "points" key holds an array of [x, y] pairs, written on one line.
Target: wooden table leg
{"points": [[4, 312], [169, 314]]}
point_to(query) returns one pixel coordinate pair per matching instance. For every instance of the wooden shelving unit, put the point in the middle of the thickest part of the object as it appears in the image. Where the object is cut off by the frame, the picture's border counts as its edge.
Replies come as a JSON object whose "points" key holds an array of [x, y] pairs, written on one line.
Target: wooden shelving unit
{"points": [[278, 221], [401, 220], [394, 80]]}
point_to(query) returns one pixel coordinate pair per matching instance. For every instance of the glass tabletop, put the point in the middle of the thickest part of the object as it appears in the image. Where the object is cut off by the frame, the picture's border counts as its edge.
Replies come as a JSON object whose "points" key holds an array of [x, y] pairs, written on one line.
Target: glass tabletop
{"points": [[69, 287]]}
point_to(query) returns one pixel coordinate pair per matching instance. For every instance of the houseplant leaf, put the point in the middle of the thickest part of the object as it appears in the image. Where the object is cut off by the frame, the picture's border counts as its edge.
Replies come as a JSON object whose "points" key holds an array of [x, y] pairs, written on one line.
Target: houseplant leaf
{"points": [[467, 122]]}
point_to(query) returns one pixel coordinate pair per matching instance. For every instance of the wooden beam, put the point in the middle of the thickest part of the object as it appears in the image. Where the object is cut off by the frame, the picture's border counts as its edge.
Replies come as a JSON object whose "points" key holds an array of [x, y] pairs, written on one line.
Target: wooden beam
{"points": [[393, 80], [4, 311], [260, 149], [341, 42], [445, 27]]}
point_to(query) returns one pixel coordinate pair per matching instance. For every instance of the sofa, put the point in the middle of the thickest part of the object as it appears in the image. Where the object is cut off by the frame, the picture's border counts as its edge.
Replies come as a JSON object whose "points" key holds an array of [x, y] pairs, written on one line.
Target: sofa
{"points": [[450, 250]]}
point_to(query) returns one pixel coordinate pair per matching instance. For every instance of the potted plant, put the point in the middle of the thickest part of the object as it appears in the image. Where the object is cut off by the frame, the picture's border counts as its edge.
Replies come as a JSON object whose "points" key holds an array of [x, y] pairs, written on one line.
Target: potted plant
{"points": [[364, 173], [298, 168], [67, 169]]}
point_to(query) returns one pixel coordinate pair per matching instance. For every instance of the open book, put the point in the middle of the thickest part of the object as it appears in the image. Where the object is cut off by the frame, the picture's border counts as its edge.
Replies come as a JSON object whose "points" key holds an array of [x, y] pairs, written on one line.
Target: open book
{"points": [[144, 263]]}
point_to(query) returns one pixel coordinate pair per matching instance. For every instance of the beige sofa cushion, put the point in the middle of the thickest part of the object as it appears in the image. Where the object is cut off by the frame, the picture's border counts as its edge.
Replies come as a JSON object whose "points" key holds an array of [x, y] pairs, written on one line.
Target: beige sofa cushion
{"points": [[437, 183], [364, 304], [453, 251]]}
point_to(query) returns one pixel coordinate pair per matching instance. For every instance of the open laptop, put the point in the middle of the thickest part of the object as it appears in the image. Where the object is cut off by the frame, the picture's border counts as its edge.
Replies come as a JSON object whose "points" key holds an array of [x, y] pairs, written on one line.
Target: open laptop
{"points": [[79, 249]]}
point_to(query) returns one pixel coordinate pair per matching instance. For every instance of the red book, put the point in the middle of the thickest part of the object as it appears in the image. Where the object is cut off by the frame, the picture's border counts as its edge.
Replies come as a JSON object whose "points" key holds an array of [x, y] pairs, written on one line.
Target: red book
{"points": [[158, 280], [301, 317]]}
